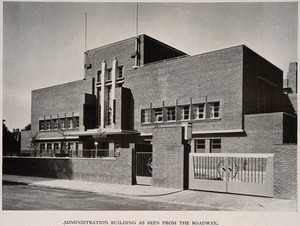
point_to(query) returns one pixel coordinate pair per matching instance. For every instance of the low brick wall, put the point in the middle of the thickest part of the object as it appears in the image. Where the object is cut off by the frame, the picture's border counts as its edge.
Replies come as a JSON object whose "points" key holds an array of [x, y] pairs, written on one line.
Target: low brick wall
{"points": [[105, 170], [285, 171]]}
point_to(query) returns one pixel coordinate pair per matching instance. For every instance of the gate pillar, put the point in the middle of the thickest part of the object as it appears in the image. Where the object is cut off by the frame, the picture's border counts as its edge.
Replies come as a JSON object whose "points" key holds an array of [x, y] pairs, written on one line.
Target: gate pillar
{"points": [[168, 157]]}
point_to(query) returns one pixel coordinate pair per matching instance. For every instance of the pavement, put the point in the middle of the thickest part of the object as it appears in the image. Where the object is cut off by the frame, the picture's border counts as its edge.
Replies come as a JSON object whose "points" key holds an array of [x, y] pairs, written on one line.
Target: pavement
{"points": [[221, 201]]}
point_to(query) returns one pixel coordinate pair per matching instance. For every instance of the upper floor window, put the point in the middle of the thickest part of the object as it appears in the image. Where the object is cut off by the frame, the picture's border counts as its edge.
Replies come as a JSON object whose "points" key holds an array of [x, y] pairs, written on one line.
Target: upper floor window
{"points": [[41, 125], [55, 123], [70, 123], [146, 116], [185, 112], [213, 110], [62, 123], [171, 114], [109, 74], [215, 145], [199, 111], [121, 72], [99, 76], [48, 125], [76, 122], [158, 114]]}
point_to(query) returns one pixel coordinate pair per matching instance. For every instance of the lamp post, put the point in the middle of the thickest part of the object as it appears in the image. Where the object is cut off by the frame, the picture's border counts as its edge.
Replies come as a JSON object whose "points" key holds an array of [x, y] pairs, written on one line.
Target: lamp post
{"points": [[96, 145]]}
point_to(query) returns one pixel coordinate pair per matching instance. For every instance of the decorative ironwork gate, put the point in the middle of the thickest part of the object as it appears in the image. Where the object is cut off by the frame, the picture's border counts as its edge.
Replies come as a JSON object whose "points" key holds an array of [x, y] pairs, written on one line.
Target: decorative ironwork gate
{"points": [[144, 165], [233, 173]]}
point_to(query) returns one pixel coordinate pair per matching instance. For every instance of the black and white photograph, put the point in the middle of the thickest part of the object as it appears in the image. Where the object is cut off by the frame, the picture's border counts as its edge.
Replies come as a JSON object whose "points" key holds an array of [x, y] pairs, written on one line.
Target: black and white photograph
{"points": [[149, 113]]}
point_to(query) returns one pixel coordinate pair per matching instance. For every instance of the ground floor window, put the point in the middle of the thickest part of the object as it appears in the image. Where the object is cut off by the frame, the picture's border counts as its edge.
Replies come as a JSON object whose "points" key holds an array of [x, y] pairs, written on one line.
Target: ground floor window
{"points": [[215, 145], [200, 146]]}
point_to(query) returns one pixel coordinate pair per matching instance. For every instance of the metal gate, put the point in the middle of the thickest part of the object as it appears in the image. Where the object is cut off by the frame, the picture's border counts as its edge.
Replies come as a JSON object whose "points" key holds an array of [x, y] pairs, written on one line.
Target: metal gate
{"points": [[144, 165], [250, 174]]}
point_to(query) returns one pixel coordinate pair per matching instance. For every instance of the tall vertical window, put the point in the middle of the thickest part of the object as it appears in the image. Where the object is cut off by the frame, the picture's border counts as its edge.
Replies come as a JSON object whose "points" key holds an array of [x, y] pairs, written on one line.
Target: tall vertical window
{"points": [[109, 74], [200, 146], [99, 76], [121, 72], [199, 111], [215, 145], [171, 114], [109, 113], [41, 125], [158, 114], [185, 112], [213, 110], [146, 116]]}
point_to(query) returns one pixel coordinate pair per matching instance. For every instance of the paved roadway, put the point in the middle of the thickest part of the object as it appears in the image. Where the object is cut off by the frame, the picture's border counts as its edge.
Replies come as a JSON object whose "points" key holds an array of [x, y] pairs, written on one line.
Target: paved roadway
{"points": [[24, 197]]}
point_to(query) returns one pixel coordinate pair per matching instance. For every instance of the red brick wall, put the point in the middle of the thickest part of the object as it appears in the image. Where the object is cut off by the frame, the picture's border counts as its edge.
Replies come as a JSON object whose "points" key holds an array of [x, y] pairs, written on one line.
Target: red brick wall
{"points": [[64, 98], [168, 157], [217, 75], [285, 171], [117, 170]]}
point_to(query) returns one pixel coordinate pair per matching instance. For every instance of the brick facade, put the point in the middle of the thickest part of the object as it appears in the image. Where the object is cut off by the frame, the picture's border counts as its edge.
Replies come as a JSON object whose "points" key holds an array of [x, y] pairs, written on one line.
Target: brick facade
{"points": [[285, 171], [244, 107], [112, 170], [168, 157]]}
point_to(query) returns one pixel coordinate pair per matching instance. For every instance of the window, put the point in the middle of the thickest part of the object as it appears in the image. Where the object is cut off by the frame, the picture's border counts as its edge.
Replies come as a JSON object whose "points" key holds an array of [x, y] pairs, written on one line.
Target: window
{"points": [[76, 146], [76, 122], [99, 76], [70, 146], [70, 123], [41, 125], [185, 112], [42, 146], [200, 146], [55, 123], [158, 115], [215, 145], [62, 123], [213, 110], [48, 125], [121, 72], [56, 146], [146, 116], [109, 74], [171, 114], [49, 146], [199, 111]]}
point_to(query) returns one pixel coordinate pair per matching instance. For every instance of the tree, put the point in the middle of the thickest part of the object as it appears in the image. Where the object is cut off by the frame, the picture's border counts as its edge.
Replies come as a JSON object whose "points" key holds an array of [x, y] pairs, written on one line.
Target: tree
{"points": [[11, 140], [28, 127]]}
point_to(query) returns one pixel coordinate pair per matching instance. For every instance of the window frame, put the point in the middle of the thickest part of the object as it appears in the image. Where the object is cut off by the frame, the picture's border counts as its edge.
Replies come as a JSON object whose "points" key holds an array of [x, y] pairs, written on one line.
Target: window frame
{"points": [[158, 112], [183, 113], [173, 115], [213, 108], [146, 114], [213, 143], [197, 112], [200, 150]]}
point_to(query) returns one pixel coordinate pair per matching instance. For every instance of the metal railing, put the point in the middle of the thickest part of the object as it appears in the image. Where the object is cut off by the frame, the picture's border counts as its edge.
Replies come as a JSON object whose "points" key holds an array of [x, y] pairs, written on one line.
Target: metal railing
{"points": [[83, 153]]}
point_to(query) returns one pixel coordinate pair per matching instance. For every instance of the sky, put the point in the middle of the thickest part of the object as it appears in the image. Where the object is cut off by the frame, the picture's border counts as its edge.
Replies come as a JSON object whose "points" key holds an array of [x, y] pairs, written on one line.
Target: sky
{"points": [[43, 43]]}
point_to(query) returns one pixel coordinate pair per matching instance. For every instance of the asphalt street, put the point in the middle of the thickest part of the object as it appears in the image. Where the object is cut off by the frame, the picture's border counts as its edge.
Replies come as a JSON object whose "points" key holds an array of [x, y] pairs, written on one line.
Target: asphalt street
{"points": [[25, 197]]}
